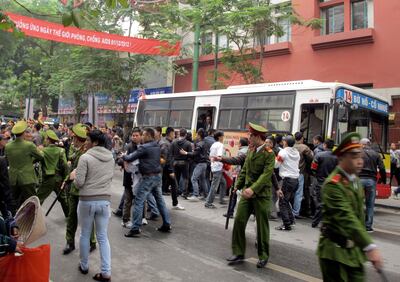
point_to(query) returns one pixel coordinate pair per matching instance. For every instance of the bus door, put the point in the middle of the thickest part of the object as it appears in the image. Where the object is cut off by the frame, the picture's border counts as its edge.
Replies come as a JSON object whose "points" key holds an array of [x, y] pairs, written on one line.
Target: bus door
{"points": [[205, 118], [205, 112], [314, 121]]}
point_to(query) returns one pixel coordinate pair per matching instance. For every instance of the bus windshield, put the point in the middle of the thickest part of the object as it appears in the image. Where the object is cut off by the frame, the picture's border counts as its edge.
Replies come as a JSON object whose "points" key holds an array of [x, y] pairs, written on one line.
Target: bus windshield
{"points": [[368, 124]]}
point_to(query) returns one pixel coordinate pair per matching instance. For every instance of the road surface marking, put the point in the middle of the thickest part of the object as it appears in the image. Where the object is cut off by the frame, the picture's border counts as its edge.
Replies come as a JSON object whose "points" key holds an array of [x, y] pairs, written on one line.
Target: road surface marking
{"points": [[387, 231], [287, 271]]}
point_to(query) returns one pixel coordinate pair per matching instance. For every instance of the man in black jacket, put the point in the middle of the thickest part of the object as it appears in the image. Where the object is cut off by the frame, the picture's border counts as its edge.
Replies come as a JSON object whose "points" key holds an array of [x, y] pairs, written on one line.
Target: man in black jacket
{"points": [[200, 157], [168, 179], [322, 165], [150, 168], [372, 161], [127, 180], [181, 162]]}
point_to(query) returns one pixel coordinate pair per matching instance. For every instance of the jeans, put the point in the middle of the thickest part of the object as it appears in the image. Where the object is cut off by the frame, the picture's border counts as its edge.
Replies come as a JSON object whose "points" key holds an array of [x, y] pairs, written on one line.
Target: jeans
{"points": [[217, 179], [298, 197], [199, 175], [151, 201], [181, 170], [317, 198], [149, 185], [370, 193], [98, 212], [289, 187]]}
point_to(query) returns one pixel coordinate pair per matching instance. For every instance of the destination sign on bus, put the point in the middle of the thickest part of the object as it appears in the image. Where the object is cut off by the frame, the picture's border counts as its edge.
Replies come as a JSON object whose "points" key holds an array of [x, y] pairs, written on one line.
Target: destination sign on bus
{"points": [[355, 98]]}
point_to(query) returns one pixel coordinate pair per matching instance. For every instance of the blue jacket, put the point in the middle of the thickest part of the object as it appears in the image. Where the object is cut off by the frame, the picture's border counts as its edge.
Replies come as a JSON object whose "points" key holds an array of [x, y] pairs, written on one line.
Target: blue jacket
{"points": [[149, 158]]}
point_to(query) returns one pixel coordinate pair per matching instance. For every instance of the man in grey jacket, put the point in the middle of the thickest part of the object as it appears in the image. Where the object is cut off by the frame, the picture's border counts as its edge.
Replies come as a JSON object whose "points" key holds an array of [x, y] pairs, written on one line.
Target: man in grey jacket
{"points": [[149, 166]]}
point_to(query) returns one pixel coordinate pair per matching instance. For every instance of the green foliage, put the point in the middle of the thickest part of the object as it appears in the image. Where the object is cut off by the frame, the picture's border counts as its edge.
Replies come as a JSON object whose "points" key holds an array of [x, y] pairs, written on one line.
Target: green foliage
{"points": [[246, 23], [63, 70]]}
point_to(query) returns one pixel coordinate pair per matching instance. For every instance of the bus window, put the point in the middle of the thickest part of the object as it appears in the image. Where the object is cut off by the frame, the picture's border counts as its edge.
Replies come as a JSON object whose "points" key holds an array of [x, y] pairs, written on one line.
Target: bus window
{"points": [[205, 118], [270, 119], [155, 118], [180, 119], [368, 124], [181, 113], [312, 121], [230, 119], [231, 112], [378, 129], [270, 101]]}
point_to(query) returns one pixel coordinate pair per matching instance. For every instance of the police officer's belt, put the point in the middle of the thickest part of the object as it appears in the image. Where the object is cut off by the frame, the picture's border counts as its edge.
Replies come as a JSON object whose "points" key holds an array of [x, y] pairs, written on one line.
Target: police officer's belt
{"points": [[337, 238]]}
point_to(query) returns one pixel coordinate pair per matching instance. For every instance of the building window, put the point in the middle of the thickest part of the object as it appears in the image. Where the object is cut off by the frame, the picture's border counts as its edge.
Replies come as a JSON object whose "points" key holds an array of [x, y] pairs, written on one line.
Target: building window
{"points": [[333, 18], [206, 43], [285, 25], [359, 14], [223, 41]]}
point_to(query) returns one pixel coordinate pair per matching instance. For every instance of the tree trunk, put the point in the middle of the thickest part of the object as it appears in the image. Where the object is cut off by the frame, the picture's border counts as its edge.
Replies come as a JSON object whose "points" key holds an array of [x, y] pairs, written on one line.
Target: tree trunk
{"points": [[78, 110], [44, 98]]}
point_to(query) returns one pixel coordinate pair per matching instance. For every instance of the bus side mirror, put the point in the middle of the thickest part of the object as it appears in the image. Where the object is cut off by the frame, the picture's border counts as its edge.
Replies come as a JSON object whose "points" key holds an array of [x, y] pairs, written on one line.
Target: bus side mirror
{"points": [[343, 113]]}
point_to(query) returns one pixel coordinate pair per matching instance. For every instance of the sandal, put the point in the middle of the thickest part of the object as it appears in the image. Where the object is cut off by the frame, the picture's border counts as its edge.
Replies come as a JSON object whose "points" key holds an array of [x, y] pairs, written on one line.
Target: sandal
{"points": [[83, 271], [100, 277]]}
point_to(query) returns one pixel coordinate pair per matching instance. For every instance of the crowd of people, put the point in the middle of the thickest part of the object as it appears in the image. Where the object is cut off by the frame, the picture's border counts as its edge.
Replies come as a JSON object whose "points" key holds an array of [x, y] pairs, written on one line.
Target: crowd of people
{"points": [[276, 177]]}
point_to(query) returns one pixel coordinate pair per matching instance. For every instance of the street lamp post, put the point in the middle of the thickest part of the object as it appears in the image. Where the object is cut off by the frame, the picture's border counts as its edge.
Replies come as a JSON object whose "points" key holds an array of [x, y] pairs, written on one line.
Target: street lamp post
{"points": [[28, 111]]}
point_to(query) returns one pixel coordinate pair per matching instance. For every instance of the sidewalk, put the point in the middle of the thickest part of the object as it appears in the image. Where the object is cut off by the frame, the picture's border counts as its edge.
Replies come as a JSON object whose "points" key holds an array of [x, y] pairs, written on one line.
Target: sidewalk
{"points": [[390, 203]]}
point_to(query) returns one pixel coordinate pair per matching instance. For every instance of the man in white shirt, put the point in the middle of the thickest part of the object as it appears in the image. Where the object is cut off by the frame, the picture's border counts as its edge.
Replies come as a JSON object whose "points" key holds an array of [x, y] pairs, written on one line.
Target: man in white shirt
{"points": [[287, 161], [218, 180]]}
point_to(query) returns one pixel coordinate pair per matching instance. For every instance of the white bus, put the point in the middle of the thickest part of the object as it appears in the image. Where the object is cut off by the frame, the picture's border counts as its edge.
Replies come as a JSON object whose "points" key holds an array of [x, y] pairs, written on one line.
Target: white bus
{"points": [[312, 107]]}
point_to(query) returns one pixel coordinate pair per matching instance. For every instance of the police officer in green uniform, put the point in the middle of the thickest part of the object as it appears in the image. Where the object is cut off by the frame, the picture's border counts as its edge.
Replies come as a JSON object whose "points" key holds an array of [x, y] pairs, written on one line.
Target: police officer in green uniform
{"points": [[77, 149], [255, 183], [21, 155], [54, 170], [344, 244]]}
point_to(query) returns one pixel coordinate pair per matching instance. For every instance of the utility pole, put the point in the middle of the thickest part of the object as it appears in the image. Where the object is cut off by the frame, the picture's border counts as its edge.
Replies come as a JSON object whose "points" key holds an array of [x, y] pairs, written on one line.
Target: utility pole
{"points": [[196, 51], [216, 59], [28, 111]]}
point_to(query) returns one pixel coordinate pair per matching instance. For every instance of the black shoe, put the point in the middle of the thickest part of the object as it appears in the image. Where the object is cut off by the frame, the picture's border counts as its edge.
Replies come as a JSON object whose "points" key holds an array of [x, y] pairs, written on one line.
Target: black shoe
{"points": [[314, 224], [153, 217], [223, 203], [230, 216], [92, 247], [299, 217], [262, 263], [164, 228], [370, 230], [69, 247], [283, 228], [235, 258], [133, 233], [117, 212], [210, 206], [83, 271]]}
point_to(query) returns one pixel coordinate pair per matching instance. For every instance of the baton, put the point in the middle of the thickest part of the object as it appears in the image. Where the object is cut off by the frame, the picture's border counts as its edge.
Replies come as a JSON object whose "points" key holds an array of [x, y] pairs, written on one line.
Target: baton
{"points": [[383, 275], [56, 199], [230, 205]]}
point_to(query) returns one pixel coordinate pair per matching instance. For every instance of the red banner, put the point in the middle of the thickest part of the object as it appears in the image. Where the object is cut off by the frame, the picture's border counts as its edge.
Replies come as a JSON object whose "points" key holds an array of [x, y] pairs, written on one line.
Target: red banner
{"points": [[100, 40]]}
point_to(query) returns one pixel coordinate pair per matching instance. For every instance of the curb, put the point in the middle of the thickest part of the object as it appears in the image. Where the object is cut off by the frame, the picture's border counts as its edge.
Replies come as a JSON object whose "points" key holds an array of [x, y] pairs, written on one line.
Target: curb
{"points": [[387, 206]]}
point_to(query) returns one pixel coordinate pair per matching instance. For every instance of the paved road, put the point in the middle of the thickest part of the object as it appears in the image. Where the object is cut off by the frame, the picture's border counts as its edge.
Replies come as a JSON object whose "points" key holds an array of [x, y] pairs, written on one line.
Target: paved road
{"points": [[197, 248]]}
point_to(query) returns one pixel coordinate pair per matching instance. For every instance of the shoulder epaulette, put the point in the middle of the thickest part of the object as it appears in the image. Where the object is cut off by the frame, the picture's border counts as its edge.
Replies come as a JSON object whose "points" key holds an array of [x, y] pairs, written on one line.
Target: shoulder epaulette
{"points": [[336, 178]]}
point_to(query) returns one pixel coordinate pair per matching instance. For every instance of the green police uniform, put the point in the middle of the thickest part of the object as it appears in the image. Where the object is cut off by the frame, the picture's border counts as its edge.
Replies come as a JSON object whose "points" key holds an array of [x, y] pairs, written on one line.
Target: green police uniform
{"points": [[21, 155], [343, 235], [255, 174], [54, 170], [73, 192]]}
